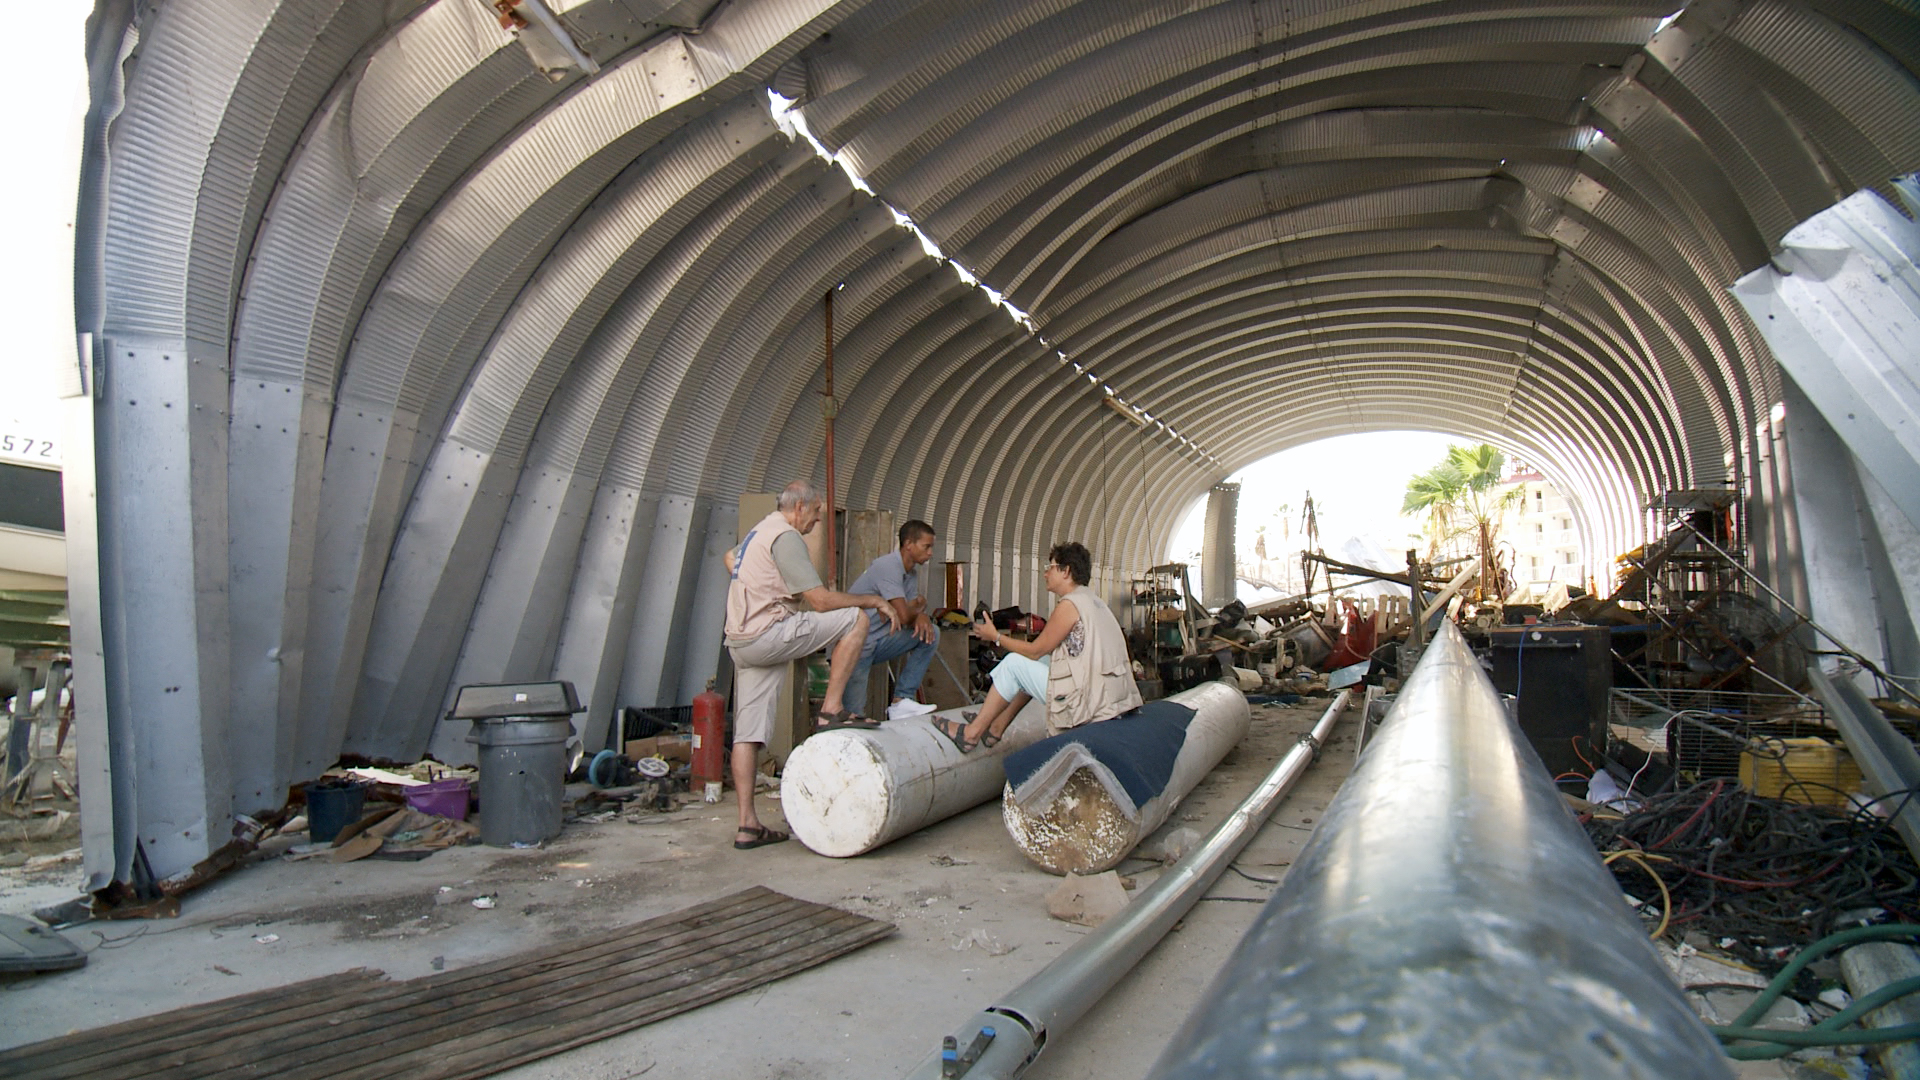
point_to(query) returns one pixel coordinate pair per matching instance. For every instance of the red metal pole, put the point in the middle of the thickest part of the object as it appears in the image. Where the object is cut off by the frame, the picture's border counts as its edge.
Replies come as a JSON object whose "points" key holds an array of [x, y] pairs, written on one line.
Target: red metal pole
{"points": [[829, 409]]}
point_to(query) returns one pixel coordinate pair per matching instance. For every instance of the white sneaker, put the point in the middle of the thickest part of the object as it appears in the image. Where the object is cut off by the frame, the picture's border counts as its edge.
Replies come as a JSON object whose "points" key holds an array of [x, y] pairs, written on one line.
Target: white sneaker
{"points": [[902, 709]]}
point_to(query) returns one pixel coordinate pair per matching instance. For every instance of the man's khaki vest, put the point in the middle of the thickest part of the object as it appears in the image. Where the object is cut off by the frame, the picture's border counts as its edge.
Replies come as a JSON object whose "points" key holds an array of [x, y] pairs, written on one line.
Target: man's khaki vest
{"points": [[758, 596]]}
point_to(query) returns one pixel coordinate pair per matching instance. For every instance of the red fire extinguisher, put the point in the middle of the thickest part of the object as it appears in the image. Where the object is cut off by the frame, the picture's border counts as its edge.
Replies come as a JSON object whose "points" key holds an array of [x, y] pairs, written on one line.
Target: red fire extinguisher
{"points": [[709, 737]]}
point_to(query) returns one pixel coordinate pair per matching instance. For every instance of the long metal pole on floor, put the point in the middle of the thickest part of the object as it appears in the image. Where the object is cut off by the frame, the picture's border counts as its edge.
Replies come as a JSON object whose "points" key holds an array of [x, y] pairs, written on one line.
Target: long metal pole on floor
{"points": [[1447, 919], [1047, 1004]]}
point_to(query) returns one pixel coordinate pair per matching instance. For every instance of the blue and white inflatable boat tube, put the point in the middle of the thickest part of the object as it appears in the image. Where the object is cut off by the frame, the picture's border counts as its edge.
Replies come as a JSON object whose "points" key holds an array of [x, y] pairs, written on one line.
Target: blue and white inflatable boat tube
{"points": [[1080, 801]]}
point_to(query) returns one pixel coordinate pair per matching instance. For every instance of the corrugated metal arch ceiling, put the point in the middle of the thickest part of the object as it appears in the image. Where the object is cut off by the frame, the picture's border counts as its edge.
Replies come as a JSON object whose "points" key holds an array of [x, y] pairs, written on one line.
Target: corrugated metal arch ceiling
{"points": [[502, 344]]}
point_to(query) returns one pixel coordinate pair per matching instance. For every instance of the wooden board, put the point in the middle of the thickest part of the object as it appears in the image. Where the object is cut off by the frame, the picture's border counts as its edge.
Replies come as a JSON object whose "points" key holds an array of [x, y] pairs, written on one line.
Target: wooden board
{"points": [[940, 686], [475, 1021]]}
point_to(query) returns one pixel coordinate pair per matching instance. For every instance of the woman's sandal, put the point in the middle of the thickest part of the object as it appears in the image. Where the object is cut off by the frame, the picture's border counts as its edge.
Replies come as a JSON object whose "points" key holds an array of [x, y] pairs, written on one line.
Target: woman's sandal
{"points": [[762, 836], [956, 732], [991, 739]]}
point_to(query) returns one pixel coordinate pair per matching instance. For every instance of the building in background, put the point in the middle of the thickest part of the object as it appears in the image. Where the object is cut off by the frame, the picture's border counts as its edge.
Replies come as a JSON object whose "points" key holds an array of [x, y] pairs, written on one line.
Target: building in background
{"points": [[33, 543], [1538, 531]]}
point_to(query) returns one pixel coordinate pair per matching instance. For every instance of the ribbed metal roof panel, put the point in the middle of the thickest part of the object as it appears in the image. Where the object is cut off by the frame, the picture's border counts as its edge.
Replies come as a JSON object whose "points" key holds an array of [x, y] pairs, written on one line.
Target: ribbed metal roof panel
{"points": [[785, 295], [587, 271], [677, 377], [579, 429]]}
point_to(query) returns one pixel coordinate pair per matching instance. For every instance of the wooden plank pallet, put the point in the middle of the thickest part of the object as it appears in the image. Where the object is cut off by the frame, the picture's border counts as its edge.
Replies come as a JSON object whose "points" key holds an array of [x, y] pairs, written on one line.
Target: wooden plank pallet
{"points": [[359, 1025]]}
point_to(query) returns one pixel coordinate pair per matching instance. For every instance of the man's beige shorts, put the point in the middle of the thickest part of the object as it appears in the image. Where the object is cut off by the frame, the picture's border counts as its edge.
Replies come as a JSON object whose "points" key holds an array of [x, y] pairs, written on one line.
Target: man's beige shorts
{"points": [[760, 666]]}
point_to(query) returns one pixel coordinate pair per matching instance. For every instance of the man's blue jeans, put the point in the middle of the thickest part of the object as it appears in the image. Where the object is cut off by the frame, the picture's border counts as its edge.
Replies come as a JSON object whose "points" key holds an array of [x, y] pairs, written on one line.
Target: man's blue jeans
{"points": [[880, 648]]}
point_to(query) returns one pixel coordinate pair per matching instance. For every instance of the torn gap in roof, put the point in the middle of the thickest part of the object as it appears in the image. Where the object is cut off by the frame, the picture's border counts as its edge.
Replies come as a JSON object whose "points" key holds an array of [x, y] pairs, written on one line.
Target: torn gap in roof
{"points": [[791, 120]]}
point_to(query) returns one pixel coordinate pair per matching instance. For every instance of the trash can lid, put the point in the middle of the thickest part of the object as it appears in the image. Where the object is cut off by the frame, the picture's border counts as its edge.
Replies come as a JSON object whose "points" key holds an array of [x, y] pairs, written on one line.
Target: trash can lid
{"points": [[26, 946], [497, 701]]}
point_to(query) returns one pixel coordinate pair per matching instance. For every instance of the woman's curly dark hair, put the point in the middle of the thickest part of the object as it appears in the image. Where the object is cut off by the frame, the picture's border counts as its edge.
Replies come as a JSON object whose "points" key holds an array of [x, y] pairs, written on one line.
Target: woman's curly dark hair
{"points": [[1075, 559]]}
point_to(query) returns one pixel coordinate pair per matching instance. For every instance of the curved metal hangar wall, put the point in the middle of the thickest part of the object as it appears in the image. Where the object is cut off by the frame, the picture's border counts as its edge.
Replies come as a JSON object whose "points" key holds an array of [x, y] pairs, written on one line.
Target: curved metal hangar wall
{"points": [[430, 352]]}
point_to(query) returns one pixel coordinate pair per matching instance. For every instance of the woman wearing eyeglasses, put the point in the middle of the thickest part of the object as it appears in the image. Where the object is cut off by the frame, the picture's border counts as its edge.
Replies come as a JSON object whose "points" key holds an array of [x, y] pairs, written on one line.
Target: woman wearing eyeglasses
{"points": [[1078, 665]]}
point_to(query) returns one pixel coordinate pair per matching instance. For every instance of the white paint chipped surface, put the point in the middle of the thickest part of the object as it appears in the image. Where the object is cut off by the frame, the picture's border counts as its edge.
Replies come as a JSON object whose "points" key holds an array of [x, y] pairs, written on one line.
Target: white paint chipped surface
{"points": [[849, 791]]}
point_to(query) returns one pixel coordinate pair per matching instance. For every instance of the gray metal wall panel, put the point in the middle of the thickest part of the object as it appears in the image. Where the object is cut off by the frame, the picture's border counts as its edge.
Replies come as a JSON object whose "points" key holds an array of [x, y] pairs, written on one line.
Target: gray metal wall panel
{"points": [[1896, 578], [706, 618], [414, 637], [899, 278], [515, 621], [898, 357], [187, 185], [514, 378], [666, 585], [1841, 310], [451, 288], [274, 490], [583, 417], [162, 508], [360, 178], [588, 269], [600, 609], [347, 568], [648, 336], [105, 764]]}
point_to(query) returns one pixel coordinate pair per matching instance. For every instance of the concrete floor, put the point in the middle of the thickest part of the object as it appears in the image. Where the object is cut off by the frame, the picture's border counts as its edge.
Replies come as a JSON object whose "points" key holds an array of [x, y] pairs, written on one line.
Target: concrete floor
{"points": [[971, 914]]}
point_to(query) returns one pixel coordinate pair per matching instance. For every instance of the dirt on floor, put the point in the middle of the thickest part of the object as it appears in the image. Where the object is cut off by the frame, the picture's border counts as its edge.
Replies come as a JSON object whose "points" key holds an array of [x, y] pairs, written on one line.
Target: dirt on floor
{"points": [[970, 912], [49, 826]]}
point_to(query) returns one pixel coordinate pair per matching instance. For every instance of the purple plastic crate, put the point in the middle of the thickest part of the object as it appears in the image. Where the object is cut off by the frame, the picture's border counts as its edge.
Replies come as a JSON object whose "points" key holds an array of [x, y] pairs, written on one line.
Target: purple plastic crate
{"points": [[441, 798]]}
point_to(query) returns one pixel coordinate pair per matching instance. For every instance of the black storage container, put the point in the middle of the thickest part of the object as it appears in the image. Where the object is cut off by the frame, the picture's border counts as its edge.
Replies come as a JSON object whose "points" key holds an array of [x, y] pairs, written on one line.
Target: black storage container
{"points": [[1561, 676]]}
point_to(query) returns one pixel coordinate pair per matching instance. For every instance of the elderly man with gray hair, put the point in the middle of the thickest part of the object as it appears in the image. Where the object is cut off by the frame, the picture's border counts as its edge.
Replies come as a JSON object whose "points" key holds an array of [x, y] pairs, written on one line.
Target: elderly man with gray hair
{"points": [[767, 627]]}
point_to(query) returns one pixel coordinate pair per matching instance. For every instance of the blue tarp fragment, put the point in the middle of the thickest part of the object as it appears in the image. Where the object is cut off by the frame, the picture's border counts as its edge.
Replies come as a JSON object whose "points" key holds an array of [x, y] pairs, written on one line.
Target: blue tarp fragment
{"points": [[1136, 748]]}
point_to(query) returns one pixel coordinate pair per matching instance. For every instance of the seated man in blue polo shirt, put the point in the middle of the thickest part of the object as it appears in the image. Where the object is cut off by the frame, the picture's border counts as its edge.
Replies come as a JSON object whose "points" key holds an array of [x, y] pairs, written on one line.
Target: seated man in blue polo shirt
{"points": [[892, 577]]}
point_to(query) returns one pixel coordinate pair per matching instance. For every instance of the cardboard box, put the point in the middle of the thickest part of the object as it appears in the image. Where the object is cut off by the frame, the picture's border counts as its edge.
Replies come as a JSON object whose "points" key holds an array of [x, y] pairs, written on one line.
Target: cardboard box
{"points": [[672, 747]]}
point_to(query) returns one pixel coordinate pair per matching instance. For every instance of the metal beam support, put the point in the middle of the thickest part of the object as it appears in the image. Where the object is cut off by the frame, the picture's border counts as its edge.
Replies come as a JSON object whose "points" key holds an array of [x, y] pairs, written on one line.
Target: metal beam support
{"points": [[1840, 546], [1217, 555], [1447, 919], [1886, 757], [1840, 307]]}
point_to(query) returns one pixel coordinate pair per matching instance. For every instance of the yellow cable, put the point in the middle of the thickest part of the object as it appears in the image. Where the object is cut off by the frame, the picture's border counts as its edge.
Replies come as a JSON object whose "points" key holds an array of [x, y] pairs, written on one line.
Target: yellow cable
{"points": [[1666, 899]]}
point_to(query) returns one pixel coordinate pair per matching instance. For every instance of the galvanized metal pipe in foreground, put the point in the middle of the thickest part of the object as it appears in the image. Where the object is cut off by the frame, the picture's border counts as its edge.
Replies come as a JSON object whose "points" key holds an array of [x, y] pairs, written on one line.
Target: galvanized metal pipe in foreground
{"points": [[1447, 919], [1062, 992]]}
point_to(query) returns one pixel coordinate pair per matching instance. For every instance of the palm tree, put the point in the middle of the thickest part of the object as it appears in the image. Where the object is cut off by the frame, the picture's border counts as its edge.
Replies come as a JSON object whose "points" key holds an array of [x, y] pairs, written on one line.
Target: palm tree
{"points": [[1460, 500]]}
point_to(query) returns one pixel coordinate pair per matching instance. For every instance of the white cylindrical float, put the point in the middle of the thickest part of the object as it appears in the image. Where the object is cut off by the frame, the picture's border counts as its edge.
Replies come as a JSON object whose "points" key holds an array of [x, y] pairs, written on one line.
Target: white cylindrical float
{"points": [[846, 792], [1073, 816]]}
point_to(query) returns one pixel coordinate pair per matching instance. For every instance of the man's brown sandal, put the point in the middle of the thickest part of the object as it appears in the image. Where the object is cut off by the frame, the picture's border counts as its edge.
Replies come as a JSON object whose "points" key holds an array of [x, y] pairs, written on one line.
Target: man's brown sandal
{"points": [[845, 718], [762, 836]]}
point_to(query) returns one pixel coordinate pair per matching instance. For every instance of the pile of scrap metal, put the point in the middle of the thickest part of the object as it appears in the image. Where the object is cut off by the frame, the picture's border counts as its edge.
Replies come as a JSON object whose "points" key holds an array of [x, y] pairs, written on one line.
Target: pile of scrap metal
{"points": [[1301, 644]]}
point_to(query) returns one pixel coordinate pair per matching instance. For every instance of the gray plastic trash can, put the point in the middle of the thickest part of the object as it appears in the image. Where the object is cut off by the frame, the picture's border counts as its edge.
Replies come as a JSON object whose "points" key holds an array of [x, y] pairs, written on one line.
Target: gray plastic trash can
{"points": [[522, 732], [523, 778]]}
